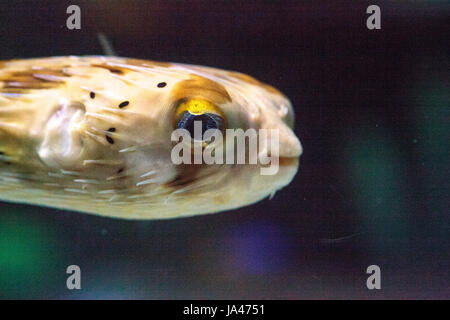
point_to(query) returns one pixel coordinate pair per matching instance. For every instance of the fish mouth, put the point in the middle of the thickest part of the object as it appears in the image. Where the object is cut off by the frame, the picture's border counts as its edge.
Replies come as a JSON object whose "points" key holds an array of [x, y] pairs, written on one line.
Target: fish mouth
{"points": [[288, 167], [288, 161]]}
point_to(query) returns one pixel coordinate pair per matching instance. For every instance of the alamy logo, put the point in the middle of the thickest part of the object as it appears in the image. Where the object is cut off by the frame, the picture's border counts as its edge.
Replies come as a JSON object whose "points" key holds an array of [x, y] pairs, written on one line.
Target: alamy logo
{"points": [[374, 280], [74, 20], [374, 20], [74, 280], [263, 147]]}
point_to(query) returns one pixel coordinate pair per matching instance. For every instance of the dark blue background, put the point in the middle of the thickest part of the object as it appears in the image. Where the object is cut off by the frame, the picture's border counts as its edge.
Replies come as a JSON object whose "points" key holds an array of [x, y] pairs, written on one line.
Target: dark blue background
{"points": [[372, 112]]}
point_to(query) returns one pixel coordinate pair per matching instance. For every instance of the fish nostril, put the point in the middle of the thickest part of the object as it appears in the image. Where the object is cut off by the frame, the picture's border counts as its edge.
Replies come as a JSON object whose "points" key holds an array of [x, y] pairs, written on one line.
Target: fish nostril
{"points": [[286, 114], [283, 110]]}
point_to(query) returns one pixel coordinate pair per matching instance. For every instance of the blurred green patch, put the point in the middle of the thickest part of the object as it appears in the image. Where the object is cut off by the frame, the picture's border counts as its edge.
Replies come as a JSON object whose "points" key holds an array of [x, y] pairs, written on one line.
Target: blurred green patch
{"points": [[27, 257], [431, 102], [377, 178]]}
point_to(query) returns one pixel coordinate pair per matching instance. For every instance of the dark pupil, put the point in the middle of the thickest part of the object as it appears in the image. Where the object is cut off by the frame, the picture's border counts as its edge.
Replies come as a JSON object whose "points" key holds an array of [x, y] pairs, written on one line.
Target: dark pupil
{"points": [[208, 120]]}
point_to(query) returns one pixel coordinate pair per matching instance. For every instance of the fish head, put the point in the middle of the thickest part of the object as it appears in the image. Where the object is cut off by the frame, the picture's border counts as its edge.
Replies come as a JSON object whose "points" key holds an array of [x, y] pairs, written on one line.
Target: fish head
{"points": [[241, 110], [116, 133]]}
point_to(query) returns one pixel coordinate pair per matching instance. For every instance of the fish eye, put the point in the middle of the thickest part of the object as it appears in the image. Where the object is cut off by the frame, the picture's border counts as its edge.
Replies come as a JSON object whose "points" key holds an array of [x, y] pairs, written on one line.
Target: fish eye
{"points": [[208, 121], [192, 110]]}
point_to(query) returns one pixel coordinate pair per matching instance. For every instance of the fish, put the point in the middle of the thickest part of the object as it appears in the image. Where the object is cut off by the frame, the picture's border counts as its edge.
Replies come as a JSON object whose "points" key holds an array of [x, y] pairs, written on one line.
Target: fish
{"points": [[92, 134]]}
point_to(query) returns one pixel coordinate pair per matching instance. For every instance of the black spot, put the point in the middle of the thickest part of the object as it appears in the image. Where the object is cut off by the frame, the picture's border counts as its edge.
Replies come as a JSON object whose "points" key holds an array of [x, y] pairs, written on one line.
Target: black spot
{"points": [[116, 71], [123, 104], [92, 95], [120, 170], [162, 84], [108, 138]]}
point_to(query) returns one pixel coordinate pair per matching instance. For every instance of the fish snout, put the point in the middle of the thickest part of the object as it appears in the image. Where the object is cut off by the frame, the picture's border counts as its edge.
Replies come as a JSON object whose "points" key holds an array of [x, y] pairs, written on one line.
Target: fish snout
{"points": [[282, 141], [289, 145]]}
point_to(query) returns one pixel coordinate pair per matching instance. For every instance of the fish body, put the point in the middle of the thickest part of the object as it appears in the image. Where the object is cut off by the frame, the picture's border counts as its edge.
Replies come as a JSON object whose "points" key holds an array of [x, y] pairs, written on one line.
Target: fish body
{"points": [[93, 134]]}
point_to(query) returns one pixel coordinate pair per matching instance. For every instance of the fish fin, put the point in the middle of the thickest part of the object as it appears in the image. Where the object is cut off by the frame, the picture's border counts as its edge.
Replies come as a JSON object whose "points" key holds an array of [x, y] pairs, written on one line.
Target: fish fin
{"points": [[107, 47]]}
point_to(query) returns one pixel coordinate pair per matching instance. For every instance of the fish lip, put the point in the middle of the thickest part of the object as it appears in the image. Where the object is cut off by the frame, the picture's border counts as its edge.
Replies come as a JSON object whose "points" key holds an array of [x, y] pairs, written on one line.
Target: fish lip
{"points": [[288, 161]]}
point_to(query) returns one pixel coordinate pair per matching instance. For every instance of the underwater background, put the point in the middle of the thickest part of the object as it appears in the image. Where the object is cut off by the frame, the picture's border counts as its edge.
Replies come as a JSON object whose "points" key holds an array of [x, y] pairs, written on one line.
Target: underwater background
{"points": [[372, 112]]}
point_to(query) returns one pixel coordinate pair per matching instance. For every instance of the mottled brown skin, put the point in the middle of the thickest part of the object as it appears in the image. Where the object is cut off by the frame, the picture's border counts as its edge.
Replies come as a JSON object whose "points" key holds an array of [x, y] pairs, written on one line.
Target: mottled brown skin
{"points": [[31, 79], [197, 86]]}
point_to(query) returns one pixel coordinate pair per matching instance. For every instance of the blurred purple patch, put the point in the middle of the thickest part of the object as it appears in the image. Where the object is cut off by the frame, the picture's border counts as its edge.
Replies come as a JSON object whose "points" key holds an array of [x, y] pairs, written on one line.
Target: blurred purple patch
{"points": [[259, 248]]}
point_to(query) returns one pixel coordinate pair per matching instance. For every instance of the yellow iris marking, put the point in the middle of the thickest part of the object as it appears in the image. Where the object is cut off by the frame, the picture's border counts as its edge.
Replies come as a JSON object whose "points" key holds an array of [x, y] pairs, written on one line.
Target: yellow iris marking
{"points": [[197, 107]]}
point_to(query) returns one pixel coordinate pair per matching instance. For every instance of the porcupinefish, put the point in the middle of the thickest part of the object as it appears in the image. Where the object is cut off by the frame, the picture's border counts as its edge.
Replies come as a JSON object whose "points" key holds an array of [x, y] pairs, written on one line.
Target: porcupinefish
{"points": [[93, 134]]}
